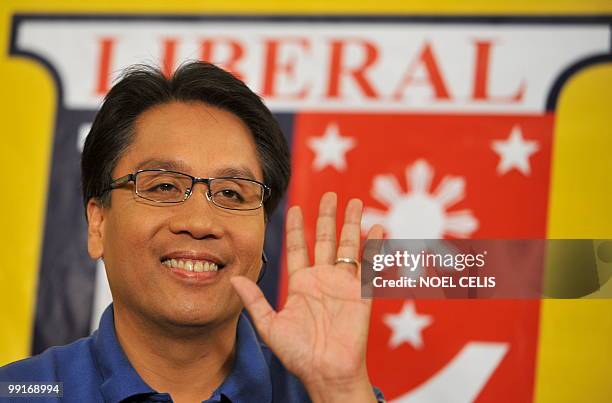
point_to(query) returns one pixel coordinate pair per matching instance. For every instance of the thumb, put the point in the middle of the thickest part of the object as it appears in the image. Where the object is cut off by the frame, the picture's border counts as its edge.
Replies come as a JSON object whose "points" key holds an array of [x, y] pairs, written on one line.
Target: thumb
{"points": [[255, 303]]}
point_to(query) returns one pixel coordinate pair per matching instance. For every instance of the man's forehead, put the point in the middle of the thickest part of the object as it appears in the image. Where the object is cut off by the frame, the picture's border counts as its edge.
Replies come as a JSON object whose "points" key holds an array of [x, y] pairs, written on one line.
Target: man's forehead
{"points": [[180, 165]]}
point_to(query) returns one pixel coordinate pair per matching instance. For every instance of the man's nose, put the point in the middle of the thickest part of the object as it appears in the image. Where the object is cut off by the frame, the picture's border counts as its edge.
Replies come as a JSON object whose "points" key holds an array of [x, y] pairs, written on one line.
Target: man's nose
{"points": [[197, 217]]}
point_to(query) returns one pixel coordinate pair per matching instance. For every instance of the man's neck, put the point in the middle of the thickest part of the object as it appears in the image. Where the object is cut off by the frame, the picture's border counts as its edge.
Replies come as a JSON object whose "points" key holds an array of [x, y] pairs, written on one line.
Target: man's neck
{"points": [[189, 366]]}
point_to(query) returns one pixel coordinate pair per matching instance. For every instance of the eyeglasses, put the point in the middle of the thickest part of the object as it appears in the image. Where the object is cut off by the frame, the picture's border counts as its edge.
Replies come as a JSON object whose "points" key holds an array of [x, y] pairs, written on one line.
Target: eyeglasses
{"points": [[163, 186]]}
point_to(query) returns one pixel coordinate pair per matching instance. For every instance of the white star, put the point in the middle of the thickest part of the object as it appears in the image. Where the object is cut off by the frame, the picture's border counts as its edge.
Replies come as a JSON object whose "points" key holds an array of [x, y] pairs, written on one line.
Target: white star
{"points": [[407, 326], [514, 152], [331, 148]]}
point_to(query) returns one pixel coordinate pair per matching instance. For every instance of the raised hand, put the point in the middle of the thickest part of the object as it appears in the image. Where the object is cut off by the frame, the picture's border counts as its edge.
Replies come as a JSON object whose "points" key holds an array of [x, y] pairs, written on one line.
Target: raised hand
{"points": [[321, 333]]}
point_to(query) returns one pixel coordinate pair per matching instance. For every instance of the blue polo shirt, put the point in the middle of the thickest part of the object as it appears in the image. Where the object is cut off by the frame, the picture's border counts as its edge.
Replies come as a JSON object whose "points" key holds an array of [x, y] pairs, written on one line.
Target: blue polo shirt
{"points": [[95, 369]]}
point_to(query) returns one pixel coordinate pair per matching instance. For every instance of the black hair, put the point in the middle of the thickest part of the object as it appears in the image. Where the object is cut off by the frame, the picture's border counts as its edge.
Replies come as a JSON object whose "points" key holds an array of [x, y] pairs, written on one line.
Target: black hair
{"points": [[142, 87]]}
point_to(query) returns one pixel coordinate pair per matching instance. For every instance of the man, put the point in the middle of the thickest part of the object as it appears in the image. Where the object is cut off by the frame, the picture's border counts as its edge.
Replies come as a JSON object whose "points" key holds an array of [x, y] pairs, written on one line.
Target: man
{"points": [[179, 177]]}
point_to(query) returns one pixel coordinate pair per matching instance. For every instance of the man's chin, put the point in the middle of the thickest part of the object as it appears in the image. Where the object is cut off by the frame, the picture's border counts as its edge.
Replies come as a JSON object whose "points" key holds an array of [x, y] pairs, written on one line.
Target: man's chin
{"points": [[196, 318]]}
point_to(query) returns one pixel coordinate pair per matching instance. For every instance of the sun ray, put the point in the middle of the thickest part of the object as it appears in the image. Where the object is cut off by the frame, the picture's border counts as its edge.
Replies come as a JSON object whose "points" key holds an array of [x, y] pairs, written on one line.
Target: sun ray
{"points": [[419, 176], [450, 191], [386, 189], [460, 224], [419, 213], [440, 246]]}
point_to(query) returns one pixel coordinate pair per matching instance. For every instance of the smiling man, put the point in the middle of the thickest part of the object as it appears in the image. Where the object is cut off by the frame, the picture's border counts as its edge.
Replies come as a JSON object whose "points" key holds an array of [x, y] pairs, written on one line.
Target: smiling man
{"points": [[179, 177]]}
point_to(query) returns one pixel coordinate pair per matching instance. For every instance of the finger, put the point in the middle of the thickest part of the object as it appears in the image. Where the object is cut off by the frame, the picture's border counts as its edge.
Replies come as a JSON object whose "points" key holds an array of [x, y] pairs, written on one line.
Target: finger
{"points": [[297, 253], [255, 303], [348, 246], [325, 240], [374, 244]]}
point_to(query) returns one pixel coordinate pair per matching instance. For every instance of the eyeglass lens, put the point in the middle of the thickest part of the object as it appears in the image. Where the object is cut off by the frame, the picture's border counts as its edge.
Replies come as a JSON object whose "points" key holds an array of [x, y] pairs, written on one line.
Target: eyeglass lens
{"points": [[172, 187]]}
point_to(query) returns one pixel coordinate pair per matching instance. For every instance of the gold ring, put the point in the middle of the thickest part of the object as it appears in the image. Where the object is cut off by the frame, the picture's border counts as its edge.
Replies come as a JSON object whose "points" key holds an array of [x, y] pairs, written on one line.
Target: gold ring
{"points": [[348, 260]]}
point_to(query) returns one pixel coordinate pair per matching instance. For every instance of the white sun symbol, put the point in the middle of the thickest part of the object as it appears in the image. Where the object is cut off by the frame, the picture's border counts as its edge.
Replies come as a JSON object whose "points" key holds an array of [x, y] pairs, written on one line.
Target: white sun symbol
{"points": [[419, 214]]}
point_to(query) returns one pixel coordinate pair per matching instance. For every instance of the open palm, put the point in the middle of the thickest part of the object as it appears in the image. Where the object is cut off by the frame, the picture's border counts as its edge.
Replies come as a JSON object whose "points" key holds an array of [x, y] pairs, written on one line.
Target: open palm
{"points": [[321, 333]]}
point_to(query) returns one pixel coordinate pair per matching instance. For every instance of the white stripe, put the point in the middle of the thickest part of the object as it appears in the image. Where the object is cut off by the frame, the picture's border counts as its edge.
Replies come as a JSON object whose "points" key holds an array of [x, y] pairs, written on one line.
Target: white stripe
{"points": [[462, 379]]}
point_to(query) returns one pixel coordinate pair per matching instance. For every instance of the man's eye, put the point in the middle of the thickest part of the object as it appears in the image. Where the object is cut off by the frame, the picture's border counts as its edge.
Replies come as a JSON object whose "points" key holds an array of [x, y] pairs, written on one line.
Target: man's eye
{"points": [[230, 194], [163, 187]]}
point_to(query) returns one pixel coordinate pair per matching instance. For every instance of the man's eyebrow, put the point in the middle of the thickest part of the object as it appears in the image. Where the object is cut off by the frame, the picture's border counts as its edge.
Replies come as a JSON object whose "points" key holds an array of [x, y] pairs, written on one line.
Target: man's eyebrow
{"points": [[180, 166], [239, 172], [170, 165]]}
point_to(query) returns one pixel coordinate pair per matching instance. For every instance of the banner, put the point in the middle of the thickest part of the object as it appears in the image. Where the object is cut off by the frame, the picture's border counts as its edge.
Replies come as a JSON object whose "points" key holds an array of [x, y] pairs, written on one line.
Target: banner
{"points": [[446, 127]]}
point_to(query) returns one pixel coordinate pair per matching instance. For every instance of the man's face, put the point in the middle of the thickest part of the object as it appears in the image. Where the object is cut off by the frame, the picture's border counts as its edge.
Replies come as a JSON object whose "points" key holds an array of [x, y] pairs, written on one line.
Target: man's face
{"points": [[136, 237]]}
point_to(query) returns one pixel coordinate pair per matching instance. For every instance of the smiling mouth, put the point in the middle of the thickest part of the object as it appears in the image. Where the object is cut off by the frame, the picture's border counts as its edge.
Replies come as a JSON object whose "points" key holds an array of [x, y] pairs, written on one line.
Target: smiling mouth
{"points": [[188, 265]]}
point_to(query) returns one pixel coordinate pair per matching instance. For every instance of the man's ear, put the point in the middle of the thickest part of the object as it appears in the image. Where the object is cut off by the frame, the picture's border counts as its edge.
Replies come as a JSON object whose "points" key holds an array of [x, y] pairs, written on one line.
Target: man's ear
{"points": [[95, 228]]}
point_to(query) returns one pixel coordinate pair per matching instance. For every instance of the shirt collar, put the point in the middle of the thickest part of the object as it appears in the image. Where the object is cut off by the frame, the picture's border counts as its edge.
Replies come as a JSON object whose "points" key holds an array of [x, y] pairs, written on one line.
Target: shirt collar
{"points": [[120, 379], [248, 381]]}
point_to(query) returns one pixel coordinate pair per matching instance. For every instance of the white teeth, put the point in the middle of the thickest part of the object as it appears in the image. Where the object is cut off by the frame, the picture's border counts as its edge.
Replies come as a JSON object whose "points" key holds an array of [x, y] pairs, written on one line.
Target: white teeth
{"points": [[190, 265]]}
